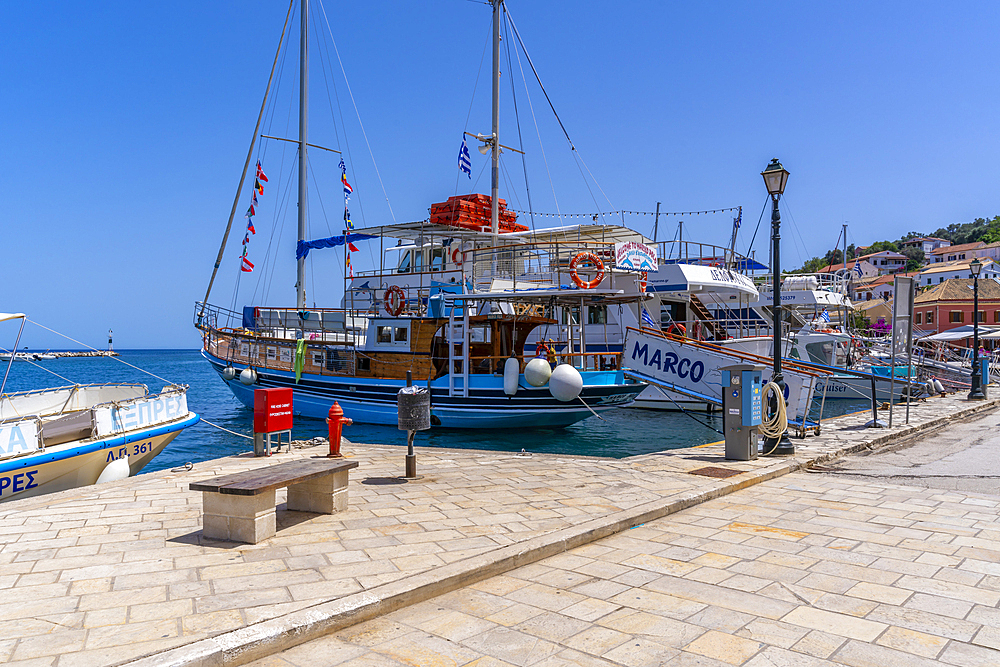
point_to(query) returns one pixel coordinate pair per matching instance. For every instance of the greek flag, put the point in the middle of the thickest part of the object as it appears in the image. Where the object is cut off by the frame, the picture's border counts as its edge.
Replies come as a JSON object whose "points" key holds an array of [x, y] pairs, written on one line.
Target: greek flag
{"points": [[464, 163], [857, 268], [825, 315], [647, 319]]}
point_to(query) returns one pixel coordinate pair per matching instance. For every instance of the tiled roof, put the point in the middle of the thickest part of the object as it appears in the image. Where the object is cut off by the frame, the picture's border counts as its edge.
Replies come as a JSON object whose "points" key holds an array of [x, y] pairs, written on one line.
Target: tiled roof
{"points": [[956, 265], [959, 289], [953, 248], [890, 254]]}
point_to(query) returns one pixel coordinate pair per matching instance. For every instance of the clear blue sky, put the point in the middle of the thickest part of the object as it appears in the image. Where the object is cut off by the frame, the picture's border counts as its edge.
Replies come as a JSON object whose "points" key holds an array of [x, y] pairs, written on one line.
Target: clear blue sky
{"points": [[125, 124]]}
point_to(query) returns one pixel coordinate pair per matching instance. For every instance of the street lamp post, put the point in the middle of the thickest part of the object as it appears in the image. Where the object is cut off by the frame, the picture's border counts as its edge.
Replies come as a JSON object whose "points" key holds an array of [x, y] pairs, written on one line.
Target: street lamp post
{"points": [[977, 393], [775, 178]]}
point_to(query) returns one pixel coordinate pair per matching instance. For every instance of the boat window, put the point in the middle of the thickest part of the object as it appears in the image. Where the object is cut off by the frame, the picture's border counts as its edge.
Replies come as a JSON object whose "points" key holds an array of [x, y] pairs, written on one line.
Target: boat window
{"points": [[400, 335], [404, 262], [383, 334], [820, 353], [480, 334], [418, 261], [571, 315], [318, 358], [597, 315], [437, 259]]}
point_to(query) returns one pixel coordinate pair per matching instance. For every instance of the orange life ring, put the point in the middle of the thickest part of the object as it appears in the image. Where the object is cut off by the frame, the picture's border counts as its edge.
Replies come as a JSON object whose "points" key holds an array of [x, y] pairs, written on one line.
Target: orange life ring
{"points": [[457, 256], [643, 282], [541, 349], [677, 328], [394, 300], [593, 259]]}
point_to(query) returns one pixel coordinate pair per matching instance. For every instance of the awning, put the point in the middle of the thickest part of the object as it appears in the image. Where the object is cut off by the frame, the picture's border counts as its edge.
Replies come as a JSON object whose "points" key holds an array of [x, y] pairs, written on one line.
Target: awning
{"points": [[962, 333], [303, 247]]}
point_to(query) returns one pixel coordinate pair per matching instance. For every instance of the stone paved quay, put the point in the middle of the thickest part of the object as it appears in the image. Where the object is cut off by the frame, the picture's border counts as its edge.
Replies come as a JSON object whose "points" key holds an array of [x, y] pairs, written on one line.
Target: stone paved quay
{"points": [[105, 575], [807, 570]]}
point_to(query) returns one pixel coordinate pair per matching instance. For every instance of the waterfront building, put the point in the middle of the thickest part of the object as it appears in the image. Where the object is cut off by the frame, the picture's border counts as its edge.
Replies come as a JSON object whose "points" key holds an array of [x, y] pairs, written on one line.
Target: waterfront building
{"points": [[948, 305], [955, 252], [926, 243], [934, 274]]}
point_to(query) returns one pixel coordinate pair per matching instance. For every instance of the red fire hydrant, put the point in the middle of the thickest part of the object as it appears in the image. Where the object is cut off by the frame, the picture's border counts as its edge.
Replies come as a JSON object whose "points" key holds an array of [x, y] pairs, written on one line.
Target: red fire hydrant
{"points": [[336, 420]]}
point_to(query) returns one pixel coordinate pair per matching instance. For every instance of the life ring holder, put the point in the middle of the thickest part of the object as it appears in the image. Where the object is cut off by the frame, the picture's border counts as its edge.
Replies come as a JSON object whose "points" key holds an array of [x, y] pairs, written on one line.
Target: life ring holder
{"points": [[541, 349], [578, 259], [394, 300]]}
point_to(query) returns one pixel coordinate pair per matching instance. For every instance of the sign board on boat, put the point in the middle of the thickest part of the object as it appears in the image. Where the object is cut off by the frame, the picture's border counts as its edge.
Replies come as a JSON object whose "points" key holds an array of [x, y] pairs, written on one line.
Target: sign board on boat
{"points": [[18, 438], [138, 414], [694, 370], [633, 256]]}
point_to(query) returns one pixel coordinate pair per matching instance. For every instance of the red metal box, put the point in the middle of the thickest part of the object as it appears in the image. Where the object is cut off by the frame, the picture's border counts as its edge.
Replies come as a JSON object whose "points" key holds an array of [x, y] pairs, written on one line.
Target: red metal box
{"points": [[272, 410]]}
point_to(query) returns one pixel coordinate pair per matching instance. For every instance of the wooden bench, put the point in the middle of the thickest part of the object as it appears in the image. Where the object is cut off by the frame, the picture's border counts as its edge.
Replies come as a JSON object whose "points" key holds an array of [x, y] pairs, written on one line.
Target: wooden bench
{"points": [[240, 507]]}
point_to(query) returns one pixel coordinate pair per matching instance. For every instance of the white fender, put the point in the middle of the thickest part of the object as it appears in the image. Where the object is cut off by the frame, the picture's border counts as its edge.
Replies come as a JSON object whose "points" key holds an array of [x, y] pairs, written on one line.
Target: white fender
{"points": [[537, 372], [565, 383], [228, 373], [114, 471], [511, 371], [248, 376]]}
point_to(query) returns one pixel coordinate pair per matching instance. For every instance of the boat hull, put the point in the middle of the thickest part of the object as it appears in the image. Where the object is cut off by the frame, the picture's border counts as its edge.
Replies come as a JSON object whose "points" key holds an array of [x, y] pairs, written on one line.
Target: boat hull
{"points": [[81, 464], [373, 401]]}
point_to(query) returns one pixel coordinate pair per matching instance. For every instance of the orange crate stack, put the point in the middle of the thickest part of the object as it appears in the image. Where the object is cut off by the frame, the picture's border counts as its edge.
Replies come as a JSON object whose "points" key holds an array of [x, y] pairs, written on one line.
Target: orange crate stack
{"points": [[472, 211]]}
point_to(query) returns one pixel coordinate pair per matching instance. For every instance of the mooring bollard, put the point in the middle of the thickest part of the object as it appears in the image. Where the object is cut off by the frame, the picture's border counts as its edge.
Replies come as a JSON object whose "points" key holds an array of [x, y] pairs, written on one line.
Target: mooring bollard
{"points": [[413, 412]]}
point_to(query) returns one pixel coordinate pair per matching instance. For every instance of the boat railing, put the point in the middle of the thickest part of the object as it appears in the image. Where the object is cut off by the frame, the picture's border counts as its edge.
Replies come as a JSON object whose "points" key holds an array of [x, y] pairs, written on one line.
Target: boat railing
{"points": [[705, 254], [584, 361], [838, 283], [334, 325], [721, 329], [320, 357]]}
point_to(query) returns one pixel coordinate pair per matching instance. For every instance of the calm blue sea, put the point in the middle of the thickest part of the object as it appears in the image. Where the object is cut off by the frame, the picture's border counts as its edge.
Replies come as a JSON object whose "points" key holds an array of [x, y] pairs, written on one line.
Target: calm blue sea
{"points": [[626, 432]]}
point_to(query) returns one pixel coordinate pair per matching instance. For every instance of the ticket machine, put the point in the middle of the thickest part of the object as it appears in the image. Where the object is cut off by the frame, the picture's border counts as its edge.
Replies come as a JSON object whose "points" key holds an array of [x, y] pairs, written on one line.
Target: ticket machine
{"points": [[741, 409]]}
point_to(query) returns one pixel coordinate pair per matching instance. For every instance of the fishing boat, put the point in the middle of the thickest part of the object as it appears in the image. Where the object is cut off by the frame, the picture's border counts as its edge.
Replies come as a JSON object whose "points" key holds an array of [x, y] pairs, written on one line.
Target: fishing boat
{"points": [[62, 438], [464, 339]]}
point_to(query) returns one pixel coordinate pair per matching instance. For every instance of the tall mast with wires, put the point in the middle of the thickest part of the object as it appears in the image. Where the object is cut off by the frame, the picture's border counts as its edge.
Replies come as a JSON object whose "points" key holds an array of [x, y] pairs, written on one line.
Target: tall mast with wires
{"points": [[495, 185], [300, 269]]}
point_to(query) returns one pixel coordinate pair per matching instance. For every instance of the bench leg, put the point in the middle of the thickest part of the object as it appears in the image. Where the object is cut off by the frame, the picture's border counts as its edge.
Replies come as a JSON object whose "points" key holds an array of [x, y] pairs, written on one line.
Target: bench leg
{"points": [[324, 495], [248, 519]]}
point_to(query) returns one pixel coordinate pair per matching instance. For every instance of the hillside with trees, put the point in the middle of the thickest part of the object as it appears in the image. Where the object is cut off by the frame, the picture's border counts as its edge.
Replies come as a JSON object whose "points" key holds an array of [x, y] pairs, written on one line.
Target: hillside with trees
{"points": [[980, 229]]}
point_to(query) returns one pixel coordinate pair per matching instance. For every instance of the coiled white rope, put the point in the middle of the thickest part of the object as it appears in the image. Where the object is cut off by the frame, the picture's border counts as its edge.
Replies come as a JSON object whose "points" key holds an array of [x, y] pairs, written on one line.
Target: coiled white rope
{"points": [[774, 425]]}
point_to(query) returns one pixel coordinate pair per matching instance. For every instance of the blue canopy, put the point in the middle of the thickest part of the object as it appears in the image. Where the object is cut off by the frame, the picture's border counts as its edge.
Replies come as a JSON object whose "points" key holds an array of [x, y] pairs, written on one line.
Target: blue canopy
{"points": [[303, 248]]}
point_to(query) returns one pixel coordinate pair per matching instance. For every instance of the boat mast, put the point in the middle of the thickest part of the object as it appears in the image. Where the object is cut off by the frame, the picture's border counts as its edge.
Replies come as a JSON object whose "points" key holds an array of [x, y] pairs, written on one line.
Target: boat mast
{"points": [[300, 272], [495, 186]]}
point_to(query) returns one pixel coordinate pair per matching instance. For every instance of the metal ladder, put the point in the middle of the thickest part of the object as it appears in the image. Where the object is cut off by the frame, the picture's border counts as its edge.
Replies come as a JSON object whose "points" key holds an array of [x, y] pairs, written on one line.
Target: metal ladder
{"points": [[456, 388]]}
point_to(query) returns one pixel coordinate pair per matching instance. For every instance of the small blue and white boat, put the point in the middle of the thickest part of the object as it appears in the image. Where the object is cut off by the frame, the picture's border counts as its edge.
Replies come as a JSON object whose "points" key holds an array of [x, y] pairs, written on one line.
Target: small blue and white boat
{"points": [[63, 438]]}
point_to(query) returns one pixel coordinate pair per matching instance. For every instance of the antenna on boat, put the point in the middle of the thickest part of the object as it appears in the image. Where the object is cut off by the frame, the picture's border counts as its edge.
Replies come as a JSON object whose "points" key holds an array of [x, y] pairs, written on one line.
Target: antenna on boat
{"points": [[300, 268]]}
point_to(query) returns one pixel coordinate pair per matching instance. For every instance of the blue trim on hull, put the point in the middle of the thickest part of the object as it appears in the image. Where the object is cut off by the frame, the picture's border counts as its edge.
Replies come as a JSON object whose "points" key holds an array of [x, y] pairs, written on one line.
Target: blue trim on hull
{"points": [[373, 401], [108, 443]]}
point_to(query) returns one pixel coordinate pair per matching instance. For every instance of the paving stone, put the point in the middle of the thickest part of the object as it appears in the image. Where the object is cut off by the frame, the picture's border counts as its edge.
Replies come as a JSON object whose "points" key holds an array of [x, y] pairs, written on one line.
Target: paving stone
{"points": [[860, 654], [725, 647], [138, 544]]}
